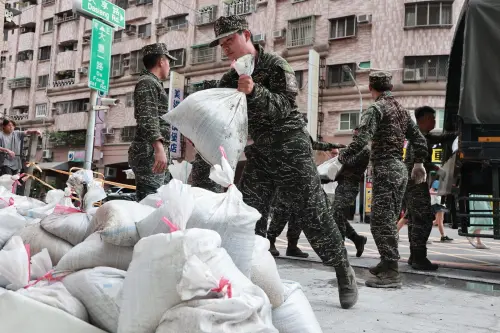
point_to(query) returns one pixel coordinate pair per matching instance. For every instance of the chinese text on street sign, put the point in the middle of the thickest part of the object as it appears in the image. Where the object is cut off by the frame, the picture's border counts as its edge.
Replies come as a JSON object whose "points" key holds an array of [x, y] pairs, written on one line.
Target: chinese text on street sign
{"points": [[176, 95], [104, 10], [100, 56]]}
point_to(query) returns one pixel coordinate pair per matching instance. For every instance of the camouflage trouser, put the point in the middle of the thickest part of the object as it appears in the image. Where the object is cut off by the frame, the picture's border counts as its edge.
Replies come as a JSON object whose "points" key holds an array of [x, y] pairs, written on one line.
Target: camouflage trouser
{"points": [[287, 165], [141, 159], [280, 217], [420, 216], [200, 176], [389, 184], [345, 194]]}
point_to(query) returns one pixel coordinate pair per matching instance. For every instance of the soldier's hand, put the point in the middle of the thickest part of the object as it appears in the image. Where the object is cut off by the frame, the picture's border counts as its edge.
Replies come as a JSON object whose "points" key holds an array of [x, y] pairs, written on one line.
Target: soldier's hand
{"points": [[245, 84], [336, 146], [418, 173], [160, 162]]}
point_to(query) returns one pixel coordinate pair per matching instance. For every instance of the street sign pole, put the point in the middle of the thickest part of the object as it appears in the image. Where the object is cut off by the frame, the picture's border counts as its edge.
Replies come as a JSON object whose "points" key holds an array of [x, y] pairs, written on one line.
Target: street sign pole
{"points": [[89, 140]]}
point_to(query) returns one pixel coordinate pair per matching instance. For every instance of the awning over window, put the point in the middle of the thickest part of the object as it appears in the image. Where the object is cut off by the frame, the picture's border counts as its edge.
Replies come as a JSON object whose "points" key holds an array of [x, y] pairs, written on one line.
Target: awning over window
{"points": [[63, 166]]}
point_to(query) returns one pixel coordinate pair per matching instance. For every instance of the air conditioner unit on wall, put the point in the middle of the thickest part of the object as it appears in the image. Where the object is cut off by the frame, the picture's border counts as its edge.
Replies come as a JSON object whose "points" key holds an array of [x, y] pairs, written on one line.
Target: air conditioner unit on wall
{"points": [[110, 172], [366, 18], [47, 154], [277, 34], [411, 75], [259, 38], [108, 131]]}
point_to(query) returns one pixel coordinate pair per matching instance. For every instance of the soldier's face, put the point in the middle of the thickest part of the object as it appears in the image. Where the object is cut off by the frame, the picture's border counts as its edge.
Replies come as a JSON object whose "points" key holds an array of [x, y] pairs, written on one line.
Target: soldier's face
{"points": [[334, 152], [164, 65], [235, 45]]}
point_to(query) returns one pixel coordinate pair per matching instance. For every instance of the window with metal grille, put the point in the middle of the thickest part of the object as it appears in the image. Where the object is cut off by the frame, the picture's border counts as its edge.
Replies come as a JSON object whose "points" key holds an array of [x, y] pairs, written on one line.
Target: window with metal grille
{"points": [[338, 77], [144, 31], [300, 32], [239, 7], [343, 27], [43, 81], [177, 23], [299, 76], [348, 121], [25, 55], [41, 110], [48, 25], [128, 133], [428, 14], [129, 99], [122, 3], [117, 36], [206, 15], [136, 64], [203, 54], [180, 55], [425, 68], [116, 65], [80, 105]]}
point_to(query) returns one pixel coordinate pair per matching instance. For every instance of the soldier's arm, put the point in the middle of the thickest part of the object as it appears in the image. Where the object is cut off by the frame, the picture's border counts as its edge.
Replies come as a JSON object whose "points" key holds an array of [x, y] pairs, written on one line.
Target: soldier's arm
{"points": [[276, 100], [434, 138], [227, 81], [362, 156], [418, 142], [146, 101], [370, 121]]}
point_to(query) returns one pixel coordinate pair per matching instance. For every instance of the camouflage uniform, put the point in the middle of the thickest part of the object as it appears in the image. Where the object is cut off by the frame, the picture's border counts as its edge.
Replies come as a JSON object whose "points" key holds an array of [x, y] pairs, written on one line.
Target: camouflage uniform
{"points": [[418, 203], [283, 215], [281, 157], [348, 181], [386, 123], [150, 104]]}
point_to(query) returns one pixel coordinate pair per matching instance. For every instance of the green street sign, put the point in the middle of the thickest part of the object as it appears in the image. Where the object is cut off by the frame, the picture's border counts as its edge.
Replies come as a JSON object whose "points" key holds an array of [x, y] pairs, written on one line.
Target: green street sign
{"points": [[100, 56], [102, 9]]}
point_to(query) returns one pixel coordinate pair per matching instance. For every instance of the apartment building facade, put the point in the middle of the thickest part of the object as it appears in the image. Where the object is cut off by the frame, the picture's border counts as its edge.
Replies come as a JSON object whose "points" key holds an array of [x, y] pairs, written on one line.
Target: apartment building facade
{"points": [[44, 63]]}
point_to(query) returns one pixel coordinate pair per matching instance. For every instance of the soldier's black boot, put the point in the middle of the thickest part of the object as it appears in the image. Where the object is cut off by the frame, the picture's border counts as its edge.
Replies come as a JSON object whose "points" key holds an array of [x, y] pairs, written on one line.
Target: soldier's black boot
{"points": [[376, 269], [360, 242], [272, 247], [387, 276], [410, 258], [348, 289], [293, 250], [420, 261]]}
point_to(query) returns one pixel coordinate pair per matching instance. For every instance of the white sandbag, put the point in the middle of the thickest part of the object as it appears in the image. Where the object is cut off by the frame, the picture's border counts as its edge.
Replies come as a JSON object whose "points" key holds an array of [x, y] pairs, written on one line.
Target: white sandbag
{"points": [[10, 223], [53, 198], [39, 239], [214, 117], [180, 171], [157, 269], [115, 221], [6, 181], [21, 314], [177, 205], [228, 215], [14, 263], [2, 291], [99, 289], [94, 252], [296, 314], [325, 166], [265, 273], [56, 295], [334, 168], [40, 264], [72, 225], [248, 312], [24, 204], [86, 187]]}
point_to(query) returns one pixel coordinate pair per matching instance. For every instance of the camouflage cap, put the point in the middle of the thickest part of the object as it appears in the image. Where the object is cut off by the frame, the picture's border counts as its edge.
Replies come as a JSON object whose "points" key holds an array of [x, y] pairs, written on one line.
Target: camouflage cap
{"points": [[380, 77], [227, 25], [157, 48]]}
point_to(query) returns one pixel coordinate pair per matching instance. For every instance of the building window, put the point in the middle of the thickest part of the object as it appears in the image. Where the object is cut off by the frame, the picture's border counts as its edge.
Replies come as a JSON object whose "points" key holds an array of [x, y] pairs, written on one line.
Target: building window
{"points": [[44, 53], [68, 47], [202, 54], [5, 35], [41, 110], [348, 121], [117, 37], [300, 32], [122, 3], [177, 23], [2, 80], [425, 68], [299, 76], [180, 55], [66, 107], [439, 119], [239, 7], [48, 25], [206, 15], [136, 65], [428, 14], [27, 29], [338, 77], [128, 133], [343, 27], [129, 99], [43, 81], [144, 31], [25, 55], [116, 65]]}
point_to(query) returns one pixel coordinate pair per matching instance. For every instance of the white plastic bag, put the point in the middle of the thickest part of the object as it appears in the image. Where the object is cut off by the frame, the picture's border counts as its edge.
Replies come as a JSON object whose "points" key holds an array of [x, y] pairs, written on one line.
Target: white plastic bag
{"points": [[40, 264], [454, 146], [265, 273], [53, 198], [68, 223], [180, 171], [296, 314], [10, 223], [227, 214], [115, 221], [86, 187], [56, 295], [6, 181], [334, 168], [99, 289], [39, 239], [162, 259], [214, 117], [177, 205], [94, 252], [323, 167], [14, 263]]}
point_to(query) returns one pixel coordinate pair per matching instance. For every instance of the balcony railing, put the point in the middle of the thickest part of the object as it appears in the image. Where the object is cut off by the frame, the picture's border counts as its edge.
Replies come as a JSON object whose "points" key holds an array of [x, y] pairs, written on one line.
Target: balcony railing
{"points": [[19, 117], [203, 55], [63, 83], [65, 18], [19, 83]]}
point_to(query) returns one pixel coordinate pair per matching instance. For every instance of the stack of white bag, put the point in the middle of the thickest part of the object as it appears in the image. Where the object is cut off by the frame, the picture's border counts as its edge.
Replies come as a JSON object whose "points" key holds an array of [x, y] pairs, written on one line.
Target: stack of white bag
{"points": [[329, 169], [214, 117]]}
